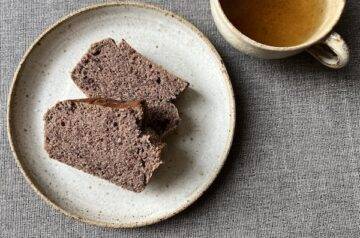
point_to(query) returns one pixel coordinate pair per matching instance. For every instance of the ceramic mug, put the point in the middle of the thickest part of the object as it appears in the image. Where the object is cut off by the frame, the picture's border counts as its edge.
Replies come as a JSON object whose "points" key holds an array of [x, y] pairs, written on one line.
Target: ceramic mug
{"points": [[326, 46]]}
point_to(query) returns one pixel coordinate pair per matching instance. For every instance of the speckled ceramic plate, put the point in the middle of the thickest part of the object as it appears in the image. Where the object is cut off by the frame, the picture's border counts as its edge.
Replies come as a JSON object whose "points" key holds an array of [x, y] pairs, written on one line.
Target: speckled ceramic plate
{"points": [[195, 153]]}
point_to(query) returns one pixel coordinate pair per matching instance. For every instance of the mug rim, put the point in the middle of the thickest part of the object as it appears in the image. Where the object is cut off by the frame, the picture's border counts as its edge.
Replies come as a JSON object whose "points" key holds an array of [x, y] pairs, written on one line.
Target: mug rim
{"points": [[304, 45]]}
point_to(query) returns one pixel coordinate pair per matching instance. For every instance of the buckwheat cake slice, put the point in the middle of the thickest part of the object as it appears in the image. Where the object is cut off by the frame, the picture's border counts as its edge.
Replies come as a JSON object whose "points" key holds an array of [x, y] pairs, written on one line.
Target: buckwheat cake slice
{"points": [[119, 72], [104, 138]]}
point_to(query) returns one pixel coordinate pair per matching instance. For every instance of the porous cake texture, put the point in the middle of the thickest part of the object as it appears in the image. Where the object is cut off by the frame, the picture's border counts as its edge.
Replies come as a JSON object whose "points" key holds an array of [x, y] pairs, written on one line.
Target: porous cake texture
{"points": [[105, 138], [119, 72]]}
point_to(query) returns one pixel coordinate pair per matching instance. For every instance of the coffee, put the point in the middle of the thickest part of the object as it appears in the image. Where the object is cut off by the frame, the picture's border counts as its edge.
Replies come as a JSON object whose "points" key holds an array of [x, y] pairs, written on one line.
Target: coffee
{"points": [[276, 22]]}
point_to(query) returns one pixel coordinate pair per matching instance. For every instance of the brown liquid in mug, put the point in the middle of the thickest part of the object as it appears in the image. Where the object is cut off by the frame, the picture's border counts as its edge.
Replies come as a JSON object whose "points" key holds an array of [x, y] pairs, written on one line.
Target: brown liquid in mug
{"points": [[276, 22]]}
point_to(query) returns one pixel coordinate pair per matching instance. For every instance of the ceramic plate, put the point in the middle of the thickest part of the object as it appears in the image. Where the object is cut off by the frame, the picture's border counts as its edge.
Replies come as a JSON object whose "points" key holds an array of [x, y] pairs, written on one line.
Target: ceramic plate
{"points": [[195, 153]]}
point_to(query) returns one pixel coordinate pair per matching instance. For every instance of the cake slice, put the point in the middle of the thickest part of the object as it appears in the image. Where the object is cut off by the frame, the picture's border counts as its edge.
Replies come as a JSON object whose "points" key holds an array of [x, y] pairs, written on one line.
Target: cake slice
{"points": [[104, 138], [119, 72]]}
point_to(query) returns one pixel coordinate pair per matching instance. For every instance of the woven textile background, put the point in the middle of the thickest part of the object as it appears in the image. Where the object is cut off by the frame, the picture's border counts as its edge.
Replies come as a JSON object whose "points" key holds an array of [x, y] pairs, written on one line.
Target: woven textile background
{"points": [[293, 170]]}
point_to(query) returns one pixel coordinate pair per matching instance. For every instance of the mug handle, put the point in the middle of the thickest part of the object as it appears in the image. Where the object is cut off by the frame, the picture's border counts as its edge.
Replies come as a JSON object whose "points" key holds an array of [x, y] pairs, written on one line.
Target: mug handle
{"points": [[331, 52]]}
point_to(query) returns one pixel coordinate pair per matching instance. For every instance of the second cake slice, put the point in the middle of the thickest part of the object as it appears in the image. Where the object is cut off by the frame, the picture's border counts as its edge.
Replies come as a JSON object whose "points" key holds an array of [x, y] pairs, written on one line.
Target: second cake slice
{"points": [[119, 72]]}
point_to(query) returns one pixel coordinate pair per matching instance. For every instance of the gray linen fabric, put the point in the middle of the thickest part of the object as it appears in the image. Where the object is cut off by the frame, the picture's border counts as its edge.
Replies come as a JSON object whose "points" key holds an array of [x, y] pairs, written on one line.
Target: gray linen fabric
{"points": [[293, 170]]}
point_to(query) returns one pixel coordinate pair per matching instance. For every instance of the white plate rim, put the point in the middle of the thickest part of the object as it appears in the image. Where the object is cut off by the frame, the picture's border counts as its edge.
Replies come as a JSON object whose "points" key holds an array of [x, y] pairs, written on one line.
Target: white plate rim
{"points": [[194, 196]]}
